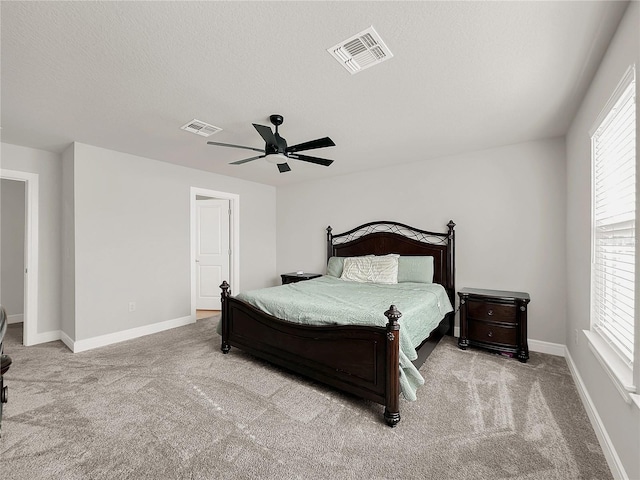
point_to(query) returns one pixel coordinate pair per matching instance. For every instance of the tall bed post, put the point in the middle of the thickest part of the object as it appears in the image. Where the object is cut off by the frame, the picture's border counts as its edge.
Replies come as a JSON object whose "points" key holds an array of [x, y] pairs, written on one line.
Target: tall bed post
{"points": [[392, 394], [329, 243], [451, 251], [224, 296]]}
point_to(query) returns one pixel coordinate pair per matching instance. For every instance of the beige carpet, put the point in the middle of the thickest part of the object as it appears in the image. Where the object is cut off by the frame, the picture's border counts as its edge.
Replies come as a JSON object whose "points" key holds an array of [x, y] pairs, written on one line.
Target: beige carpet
{"points": [[171, 406]]}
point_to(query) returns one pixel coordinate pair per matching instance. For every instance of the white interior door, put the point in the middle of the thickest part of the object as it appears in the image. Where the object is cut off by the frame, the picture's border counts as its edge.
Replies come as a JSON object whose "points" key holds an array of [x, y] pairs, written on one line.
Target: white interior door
{"points": [[212, 251]]}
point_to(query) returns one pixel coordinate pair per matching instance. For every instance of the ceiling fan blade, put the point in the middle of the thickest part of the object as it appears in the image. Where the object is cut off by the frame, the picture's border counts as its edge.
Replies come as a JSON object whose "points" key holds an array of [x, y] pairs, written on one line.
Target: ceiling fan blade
{"points": [[240, 162], [236, 146], [318, 143], [284, 167], [316, 160], [266, 134]]}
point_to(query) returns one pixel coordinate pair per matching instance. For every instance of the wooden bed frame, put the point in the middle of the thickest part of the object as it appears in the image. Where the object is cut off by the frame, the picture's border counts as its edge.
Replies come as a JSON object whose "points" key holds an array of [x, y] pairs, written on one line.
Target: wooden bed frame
{"points": [[361, 360]]}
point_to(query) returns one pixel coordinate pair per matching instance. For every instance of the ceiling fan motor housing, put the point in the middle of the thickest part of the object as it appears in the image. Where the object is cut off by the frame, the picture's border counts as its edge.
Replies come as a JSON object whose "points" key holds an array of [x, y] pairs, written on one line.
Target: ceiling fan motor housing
{"points": [[276, 119]]}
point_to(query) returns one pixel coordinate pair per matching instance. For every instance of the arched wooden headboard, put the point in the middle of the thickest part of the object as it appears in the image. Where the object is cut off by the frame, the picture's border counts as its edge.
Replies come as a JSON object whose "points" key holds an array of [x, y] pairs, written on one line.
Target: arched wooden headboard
{"points": [[384, 237]]}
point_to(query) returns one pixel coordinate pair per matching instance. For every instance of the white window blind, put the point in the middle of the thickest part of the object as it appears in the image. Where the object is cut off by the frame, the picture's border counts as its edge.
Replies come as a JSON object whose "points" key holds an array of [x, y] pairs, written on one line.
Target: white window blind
{"points": [[614, 213]]}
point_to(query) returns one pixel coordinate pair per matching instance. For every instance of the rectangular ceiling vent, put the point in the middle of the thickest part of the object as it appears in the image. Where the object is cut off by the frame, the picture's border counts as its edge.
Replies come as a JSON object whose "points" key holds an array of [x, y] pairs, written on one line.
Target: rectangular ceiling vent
{"points": [[200, 128], [361, 51]]}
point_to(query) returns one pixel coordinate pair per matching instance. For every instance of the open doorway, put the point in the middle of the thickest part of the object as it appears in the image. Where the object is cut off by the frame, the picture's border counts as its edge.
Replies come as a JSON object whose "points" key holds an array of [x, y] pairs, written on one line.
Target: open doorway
{"points": [[19, 204], [214, 248], [12, 235]]}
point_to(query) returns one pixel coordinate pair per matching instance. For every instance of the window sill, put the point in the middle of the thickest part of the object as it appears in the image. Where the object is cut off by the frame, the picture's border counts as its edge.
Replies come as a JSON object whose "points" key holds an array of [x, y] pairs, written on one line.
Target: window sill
{"points": [[619, 372]]}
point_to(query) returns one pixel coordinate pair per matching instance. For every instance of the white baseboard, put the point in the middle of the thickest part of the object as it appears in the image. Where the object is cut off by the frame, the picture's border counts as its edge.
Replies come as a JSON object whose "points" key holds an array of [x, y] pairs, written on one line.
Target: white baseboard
{"points": [[116, 337], [539, 346], [17, 318], [613, 460], [47, 337], [44, 337], [66, 339]]}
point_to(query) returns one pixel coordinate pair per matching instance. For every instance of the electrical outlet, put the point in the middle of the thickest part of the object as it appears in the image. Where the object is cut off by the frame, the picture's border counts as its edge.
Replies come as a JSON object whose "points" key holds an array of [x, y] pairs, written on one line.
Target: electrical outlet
{"points": [[132, 306]]}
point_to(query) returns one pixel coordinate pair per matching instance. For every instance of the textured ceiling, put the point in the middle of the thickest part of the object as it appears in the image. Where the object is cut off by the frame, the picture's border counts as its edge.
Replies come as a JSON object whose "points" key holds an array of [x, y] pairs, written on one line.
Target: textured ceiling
{"points": [[464, 76]]}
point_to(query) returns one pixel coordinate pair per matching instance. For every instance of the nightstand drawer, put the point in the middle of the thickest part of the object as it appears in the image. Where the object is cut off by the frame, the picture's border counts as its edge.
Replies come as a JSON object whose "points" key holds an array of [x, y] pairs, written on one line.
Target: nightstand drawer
{"points": [[494, 312], [492, 333]]}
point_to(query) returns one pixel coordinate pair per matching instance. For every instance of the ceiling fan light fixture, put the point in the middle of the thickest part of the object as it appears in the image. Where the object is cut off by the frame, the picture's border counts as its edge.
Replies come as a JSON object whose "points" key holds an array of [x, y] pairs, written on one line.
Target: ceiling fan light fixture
{"points": [[277, 158]]}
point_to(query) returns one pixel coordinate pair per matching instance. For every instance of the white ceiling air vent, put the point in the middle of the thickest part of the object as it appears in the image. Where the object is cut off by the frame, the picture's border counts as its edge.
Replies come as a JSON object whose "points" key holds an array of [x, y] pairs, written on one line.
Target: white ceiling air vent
{"points": [[361, 51], [200, 128]]}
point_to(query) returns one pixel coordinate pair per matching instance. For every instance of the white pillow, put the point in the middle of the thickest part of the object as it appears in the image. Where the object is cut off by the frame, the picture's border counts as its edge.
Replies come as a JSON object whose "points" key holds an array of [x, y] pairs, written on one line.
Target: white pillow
{"points": [[371, 269]]}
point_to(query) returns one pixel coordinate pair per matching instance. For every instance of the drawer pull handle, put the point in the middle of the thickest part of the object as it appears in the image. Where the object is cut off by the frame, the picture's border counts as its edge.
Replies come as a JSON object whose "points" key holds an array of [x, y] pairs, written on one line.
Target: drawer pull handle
{"points": [[490, 312], [489, 334]]}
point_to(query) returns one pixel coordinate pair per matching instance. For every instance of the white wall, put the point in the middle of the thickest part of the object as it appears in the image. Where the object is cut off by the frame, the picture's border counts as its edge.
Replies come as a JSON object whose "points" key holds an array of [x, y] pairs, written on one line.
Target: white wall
{"points": [[48, 167], [508, 204], [114, 228], [620, 420], [132, 238], [12, 228]]}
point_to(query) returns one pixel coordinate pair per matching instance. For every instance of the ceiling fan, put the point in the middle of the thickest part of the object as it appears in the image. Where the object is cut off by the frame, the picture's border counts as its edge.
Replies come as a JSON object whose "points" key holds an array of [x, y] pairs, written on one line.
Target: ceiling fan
{"points": [[276, 147]]}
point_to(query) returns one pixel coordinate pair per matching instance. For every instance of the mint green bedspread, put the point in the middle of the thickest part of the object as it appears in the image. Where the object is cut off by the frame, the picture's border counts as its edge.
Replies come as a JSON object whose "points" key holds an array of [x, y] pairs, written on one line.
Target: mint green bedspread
{"points": [[330, 301]]}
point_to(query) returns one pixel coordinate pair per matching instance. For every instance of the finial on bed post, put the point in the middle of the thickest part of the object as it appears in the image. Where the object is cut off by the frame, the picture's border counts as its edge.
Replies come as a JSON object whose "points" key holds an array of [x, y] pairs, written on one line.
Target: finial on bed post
{"points": [[451, 226], [392, 400], [393, 314], [329, 243], [225, 347]]}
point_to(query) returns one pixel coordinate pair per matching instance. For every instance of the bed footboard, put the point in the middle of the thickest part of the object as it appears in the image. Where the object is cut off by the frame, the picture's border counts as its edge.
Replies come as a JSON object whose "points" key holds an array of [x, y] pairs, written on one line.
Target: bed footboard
{"points": [[361, 360]]}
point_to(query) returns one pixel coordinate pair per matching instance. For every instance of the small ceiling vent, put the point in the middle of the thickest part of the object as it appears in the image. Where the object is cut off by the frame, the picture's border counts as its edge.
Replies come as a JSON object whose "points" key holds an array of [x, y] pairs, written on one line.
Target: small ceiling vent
{"points": [[200, 128], [361, 51]]}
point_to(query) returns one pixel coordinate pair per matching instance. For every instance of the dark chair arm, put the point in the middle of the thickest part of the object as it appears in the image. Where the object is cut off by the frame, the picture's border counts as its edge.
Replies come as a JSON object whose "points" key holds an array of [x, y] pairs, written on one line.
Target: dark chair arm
{"points": [[5, 363]]}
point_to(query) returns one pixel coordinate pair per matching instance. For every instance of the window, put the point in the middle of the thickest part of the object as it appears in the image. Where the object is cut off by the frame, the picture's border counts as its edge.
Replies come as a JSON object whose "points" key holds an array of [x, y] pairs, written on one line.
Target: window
{"points": [[613, 150]]}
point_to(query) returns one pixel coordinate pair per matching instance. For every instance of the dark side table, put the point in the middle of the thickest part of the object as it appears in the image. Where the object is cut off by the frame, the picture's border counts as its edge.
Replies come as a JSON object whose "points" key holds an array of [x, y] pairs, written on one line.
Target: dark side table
{"points": [[495, 320]]}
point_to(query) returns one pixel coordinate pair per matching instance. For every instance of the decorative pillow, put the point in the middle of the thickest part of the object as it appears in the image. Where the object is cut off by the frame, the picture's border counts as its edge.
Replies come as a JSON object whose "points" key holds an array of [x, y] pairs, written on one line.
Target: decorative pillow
{"points": [[373, 269], [335, 266], [415, 269]]}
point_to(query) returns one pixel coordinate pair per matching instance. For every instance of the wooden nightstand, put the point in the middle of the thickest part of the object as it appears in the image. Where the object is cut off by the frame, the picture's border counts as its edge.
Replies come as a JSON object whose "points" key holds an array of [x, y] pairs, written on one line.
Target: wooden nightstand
{"points": [[294, 277], [494, 319]]}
